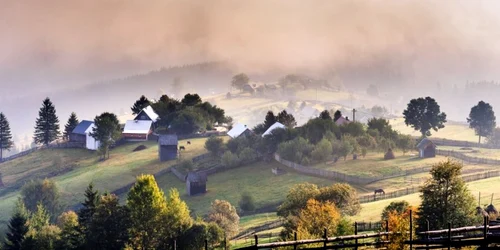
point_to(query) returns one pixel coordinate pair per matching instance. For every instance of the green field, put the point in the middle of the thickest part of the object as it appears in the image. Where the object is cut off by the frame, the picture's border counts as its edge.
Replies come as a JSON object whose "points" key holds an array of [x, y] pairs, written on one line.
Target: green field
{"points": [[475, 152], [374, 165], [257, 179], [451, 131]]}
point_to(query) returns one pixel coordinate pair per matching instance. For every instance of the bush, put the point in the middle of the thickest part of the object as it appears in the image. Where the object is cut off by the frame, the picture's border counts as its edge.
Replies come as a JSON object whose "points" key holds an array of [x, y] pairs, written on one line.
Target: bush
{"points": [[322, 151], [295, 150], [186, 165], [364, 151], [214, 145], [44, 192], [389, 155], [230, 160], [247, 202], [247, 155]]}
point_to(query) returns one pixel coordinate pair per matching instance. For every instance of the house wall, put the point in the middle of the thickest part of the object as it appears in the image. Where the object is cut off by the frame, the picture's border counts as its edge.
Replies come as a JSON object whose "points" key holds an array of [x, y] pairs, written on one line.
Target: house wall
{"points": [[77, 138], [167, 153], [194, 188], [142, 116], [135, 137], [91, 143]]}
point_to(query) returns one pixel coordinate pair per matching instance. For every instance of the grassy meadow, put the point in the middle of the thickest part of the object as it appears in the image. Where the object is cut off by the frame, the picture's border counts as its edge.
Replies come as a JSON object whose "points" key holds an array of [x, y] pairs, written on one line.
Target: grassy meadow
{"points": [[475, 152], [451, 131]]}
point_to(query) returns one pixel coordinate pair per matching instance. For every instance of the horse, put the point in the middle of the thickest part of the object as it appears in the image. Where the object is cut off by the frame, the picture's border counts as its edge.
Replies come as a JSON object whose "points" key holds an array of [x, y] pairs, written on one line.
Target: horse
{"points": [[379, 191], [189, 142], [182, 148]]}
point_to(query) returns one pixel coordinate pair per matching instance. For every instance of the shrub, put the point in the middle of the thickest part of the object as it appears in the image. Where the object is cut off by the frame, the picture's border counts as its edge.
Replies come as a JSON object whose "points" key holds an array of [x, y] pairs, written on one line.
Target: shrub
{"points": [[389, 155], [230, 160], [214, 145], [44, 192], [186, 165], [247, 202], [247, 155], [364, 151], [295, 149], [322, 151]]}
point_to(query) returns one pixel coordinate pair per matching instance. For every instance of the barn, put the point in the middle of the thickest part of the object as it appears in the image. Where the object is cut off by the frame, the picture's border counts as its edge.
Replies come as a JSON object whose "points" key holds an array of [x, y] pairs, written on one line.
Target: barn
{"points": [[167, 147], [81, 134], [426, 148], [137, 130], [196, 183], [273, 127], [239, 130], [147, 114], [342, 121]]}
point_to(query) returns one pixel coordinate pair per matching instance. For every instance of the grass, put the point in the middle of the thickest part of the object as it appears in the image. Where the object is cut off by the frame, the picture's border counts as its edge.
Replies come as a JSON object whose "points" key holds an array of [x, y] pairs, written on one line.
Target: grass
{"points": [[475, 152], [374, 165], [451, 131], [250, 221], [256, 179]]}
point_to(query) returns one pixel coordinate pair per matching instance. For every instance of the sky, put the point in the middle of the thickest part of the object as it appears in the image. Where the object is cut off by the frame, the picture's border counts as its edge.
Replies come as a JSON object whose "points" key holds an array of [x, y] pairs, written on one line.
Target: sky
{"points": [[53, 44]]}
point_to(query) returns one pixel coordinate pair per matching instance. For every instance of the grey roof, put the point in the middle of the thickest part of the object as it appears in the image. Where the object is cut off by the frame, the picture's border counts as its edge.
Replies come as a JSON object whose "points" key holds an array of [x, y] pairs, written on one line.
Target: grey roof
{"points": [[196, 177], [424, 143], [167, 140], [82, 127]]}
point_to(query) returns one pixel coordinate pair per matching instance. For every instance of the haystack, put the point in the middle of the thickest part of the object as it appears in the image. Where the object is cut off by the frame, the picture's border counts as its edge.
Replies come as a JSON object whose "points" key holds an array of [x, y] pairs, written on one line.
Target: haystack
{"points": [[389, 155]]}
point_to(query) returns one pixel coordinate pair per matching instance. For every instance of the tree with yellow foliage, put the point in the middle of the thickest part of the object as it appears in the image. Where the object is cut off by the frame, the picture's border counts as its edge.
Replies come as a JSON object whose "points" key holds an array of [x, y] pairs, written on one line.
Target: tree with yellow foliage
{"points": [[399, 223], [315, 217]]}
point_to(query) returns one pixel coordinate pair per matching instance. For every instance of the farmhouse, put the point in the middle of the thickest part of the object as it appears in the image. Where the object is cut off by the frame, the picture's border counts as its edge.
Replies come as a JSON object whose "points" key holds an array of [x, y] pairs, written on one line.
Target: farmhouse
{"points": [[342, 121], [239, 130], [137, 130], [167, 147], [81, 134], [147, 114], [273, 127], [196, 183], [426, 148]]}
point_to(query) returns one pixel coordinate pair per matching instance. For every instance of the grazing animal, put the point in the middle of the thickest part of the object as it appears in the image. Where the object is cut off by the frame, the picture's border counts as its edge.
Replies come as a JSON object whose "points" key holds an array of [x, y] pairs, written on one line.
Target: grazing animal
{"points": [[189, 142], [379, 191], [182, 148]]}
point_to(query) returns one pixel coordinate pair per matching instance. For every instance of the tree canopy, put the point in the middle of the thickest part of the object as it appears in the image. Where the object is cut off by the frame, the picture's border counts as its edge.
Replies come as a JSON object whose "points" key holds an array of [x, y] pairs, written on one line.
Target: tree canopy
{"points": [[47, 124], [140, 104], [482, 119], [239, 81], [424, 114], [325, 115], [6, 142], [70, 125], [106, 130]]}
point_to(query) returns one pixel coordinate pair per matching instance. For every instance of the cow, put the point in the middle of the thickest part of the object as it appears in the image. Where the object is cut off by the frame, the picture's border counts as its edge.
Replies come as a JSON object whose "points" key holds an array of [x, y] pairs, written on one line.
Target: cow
{"points": [[182, 148]]}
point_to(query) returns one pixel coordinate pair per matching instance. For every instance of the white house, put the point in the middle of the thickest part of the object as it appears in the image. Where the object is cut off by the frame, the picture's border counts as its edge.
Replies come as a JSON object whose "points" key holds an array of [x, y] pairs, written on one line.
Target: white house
{"points": [[137, 130], [273, 127], [147, 114], [238, 130], [81, 134], [342, 121]]}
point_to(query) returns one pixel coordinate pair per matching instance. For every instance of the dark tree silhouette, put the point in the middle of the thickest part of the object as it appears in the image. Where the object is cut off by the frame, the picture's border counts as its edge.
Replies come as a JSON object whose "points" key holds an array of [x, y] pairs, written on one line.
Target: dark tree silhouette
{"points": [[191, 99], [239, 81], [337, 115], [482, 119], [325, 115], [107, 130], [140, 104], [286, 119], [70, 125], [6, 142], [47, 124], [424, 114], [17, 230]]}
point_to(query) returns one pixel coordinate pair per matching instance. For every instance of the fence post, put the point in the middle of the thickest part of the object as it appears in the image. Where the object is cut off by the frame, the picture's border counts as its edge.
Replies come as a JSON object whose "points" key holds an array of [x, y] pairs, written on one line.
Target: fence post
{"points": [[256, 241], [206, 244], [485, 231], [411, 229], [387, 229], [449, 235], [295, 240], [325, 236], [356, 233], [225, 241], [175, 244]]}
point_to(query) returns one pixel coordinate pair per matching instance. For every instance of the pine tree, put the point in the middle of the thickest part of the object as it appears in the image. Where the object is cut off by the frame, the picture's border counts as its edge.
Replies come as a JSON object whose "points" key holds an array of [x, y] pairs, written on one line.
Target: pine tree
{"points": [[72, 123], [89, 205], [140, 104], [17, 228], [47, 124], [6, 142]]}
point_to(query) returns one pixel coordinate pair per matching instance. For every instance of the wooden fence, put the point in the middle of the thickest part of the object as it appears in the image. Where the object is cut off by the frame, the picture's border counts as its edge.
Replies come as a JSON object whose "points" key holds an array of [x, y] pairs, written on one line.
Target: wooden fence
{"points": [[464, 157], [20, 154]]}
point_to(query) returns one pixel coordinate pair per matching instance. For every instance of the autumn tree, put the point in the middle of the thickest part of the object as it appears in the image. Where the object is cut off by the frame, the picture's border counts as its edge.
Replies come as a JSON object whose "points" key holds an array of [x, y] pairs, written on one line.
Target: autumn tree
{"points": [[6, 142], [343, 195], [47, 124], [297, 198], [482, 119], [106, 131], [224, 214], [71, 236], [315, 217], [176, 219], [148, 207], [42, 192], [399, 222], [396, 206], [70, 125], [140, 104], [445, 198], [424, 114], [239, 81]]}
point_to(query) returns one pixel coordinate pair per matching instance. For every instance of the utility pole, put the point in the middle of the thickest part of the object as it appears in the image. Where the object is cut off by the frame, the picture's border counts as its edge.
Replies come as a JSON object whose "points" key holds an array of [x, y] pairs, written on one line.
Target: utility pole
{"points": [[353, 115]]}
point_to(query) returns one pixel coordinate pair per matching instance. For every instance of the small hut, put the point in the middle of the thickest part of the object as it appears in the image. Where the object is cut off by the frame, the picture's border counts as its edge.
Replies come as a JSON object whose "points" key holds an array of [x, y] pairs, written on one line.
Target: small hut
{"points": [[196, 183], [167, 147], [426, 148]]}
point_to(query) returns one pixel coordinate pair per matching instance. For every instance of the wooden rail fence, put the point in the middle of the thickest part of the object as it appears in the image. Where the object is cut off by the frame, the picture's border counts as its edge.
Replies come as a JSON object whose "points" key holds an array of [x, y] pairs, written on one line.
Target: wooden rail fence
{"points": [[464, 157]]}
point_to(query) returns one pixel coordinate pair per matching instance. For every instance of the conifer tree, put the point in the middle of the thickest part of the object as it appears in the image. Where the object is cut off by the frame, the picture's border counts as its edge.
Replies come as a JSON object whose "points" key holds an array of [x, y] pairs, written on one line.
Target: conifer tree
{"points": [[89, 205], [17, 228], [6, 142], [140, 104], [70, 125], [47, 124]]}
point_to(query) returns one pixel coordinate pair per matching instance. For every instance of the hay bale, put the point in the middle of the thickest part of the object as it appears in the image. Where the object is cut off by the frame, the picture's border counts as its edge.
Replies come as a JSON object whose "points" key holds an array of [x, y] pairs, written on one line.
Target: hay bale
{"points": [[139, 148], [389, 155]]}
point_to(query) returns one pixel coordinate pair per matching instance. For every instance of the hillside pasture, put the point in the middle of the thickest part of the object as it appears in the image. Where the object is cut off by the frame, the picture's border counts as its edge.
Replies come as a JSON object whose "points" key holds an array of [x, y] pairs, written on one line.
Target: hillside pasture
{"points": [[451, 131], [487, 153]]}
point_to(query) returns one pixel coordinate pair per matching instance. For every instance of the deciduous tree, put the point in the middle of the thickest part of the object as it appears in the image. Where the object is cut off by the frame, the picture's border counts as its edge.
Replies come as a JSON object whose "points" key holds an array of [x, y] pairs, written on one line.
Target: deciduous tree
{"points": [[106, 130], [247, 202], [224, 214], [424, 114], [315, 217], [214, 145], [343, 195], [6, 142], [445, 198], [482, 119], [325, 115], [140, 104], [42, 192], [191, 99], [47, 124], [70, 125], [322, 150], [239, 81], [399, 222]]}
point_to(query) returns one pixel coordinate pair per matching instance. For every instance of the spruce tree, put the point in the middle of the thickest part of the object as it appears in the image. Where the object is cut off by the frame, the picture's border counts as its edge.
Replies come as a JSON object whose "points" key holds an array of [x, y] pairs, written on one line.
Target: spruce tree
{"points": [[47, 124], [6, 142], [89, 205], [17, 228], [140, 104], [72, 123]]}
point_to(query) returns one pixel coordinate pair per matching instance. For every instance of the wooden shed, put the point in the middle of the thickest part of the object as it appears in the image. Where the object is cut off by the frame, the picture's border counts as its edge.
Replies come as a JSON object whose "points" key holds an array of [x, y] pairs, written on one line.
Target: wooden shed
{"points": [[196, 183], [167, 147], [426, 148]]}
